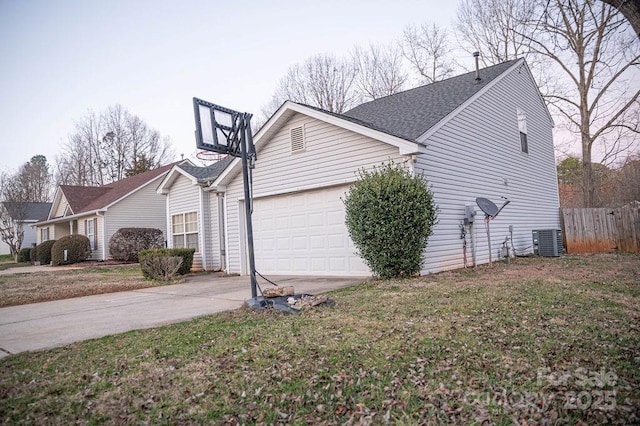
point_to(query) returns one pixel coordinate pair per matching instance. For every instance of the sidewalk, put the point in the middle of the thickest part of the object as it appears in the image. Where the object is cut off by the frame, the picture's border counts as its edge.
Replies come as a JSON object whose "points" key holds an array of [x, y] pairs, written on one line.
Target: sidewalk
{"points": [[57, 323]]}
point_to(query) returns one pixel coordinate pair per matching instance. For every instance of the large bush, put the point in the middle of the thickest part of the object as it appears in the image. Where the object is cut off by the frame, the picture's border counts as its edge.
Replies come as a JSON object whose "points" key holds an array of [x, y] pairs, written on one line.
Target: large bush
{"points": [[24, 254], [390, 214], [185, 253], [43, 251], [125, 243], [77, 246]]}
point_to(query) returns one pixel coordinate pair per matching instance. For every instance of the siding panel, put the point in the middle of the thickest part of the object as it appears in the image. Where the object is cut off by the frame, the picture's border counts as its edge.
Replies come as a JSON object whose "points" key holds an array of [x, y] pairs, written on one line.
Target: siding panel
{"points": [[478, 154], [185, 198], [332, 157]]}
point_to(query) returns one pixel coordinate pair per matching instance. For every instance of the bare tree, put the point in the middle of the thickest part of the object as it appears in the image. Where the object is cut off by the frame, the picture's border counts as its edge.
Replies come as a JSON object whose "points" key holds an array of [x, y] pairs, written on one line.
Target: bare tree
{"points": [[494, 28], [323, 81], [109, 147], [595, 58], [429, 51], [34, 179], [630, 9], [380, 71], [13, 212]]}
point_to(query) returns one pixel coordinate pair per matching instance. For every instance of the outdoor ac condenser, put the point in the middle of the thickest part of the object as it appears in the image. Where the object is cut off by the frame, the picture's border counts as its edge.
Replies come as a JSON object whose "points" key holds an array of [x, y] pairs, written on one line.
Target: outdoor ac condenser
{"points": [[547, 242]]}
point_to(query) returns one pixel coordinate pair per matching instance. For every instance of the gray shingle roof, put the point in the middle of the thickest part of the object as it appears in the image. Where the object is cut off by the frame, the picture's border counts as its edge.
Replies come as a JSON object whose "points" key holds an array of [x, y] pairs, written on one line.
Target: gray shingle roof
{"points": [[207, 173], [28, 211], [411, 113]]}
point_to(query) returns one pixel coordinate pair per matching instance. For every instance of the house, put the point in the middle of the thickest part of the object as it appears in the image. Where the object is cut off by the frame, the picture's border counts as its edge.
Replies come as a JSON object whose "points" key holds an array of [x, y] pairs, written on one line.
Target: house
{"points": [[27, 213], [482, 134], [195, 214], [99, 211]]}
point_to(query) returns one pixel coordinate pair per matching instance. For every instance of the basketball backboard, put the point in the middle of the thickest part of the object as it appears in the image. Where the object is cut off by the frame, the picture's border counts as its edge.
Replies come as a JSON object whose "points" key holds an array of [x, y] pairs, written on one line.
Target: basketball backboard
{"points": [[218, 129]]}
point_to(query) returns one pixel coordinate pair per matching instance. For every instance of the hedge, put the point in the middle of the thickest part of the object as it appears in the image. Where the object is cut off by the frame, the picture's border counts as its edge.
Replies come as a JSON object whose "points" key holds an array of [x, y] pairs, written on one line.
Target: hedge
{"points": [[185, 253]]}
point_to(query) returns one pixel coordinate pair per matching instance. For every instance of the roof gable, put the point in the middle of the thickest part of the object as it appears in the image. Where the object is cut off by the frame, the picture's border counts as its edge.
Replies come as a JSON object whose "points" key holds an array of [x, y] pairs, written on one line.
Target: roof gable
{"points": [[411, 113], [83, 199], [196, 174]]}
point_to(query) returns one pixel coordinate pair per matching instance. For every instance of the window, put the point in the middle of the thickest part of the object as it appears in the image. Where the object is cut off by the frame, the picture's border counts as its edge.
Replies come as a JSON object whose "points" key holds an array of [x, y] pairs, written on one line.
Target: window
{"points": [[184, 228], [44, 234], [522, 127], [90, 226]]}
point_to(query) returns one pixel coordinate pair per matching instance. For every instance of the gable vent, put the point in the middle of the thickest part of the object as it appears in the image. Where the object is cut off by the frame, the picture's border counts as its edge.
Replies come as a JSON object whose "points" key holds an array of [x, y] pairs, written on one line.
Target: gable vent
{"points": [[297, 139]]}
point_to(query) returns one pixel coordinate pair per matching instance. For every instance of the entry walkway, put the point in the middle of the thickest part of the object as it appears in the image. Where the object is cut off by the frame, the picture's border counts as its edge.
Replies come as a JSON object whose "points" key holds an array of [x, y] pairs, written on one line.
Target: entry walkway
{"points": [[52, 324]]}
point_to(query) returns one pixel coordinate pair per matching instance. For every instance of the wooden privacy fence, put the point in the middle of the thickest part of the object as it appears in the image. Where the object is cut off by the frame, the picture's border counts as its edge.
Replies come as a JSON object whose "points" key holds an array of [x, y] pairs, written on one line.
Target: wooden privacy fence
{"points": [[602, 229]]}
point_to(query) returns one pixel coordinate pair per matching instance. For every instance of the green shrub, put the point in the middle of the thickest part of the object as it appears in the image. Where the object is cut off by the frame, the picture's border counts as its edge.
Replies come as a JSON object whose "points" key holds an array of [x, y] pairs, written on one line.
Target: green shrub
{"points": [[77, 246], [185, 253], [23, 254], [125, 243], [390, 214], [33, 254], [44, 251]]}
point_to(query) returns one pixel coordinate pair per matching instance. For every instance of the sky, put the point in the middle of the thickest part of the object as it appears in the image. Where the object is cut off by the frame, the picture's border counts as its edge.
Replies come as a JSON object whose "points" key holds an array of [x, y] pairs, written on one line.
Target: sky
{"points": [[60, 59]]}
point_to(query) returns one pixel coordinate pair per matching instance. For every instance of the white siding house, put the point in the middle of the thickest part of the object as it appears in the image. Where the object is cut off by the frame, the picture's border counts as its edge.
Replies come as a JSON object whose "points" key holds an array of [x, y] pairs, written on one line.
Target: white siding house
{"points": [[194, 213], [98, 212], [464, 135]]}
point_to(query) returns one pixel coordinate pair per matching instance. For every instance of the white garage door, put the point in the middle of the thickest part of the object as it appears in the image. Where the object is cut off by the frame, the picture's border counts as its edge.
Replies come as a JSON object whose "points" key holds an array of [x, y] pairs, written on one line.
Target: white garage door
{"points": [[304, 234]]}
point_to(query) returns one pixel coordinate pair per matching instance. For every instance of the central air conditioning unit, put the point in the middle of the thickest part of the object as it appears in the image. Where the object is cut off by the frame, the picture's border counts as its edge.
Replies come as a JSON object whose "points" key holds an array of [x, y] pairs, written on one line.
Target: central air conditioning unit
{"points": [[547, 242]]}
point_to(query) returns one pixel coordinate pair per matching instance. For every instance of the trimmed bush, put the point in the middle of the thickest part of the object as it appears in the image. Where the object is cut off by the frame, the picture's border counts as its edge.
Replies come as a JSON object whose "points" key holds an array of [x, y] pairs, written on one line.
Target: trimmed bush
{"points": [[77, 246], [24, 255], [33, 254], [125, 243], [185, 253], [160, 266], [44, 251], [390, 214]]}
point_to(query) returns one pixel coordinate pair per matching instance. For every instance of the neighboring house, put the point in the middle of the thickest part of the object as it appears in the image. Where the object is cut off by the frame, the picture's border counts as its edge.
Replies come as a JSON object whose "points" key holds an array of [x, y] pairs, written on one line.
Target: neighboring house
{"points": [[32, 213], [195, 215], [488, 137], [99, 211]]}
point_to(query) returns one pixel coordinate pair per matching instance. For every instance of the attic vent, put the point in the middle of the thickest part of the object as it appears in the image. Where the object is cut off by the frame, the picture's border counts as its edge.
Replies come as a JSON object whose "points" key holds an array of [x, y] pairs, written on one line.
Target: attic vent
{"points": [[297, 139]]}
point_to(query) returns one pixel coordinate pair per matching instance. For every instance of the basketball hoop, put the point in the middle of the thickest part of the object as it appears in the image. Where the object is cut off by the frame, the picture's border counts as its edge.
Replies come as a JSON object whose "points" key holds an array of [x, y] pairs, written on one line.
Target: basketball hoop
{"points": [[209, 156]]}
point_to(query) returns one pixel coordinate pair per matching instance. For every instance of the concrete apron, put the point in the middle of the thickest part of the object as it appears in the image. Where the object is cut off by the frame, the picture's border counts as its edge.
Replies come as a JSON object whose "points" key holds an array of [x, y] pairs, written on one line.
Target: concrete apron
{"points": [[57, 323]]}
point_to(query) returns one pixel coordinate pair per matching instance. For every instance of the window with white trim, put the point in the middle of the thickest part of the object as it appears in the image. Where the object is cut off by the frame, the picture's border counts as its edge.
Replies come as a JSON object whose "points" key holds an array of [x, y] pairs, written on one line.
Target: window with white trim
{"points": [[90, 227], [522, 128], [184, 229], [44, 234]]}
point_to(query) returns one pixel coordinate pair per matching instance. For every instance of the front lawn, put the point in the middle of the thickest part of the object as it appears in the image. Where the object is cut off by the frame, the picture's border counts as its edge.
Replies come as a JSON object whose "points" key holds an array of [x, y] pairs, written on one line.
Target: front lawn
{"points": [[53, 284], [542, 341]]}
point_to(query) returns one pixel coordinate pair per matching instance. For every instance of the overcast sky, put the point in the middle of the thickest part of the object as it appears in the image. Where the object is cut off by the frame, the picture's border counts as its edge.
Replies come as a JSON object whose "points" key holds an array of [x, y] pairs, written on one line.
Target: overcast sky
{"points": [[62, 58]]}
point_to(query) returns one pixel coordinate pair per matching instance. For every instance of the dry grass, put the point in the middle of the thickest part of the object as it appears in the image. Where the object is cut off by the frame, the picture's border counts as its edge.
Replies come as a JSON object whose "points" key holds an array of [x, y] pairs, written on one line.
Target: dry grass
{"points": [[23, 288], [543, 341]]}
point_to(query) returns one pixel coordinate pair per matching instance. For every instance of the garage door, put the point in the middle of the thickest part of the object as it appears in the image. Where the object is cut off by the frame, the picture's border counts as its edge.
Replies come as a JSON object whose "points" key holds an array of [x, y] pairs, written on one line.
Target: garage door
{"points": [[304, 234]]}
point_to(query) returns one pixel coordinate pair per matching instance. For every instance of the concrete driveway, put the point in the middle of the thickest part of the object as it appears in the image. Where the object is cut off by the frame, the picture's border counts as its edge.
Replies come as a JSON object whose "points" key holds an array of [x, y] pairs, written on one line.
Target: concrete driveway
{"points": [[52, 324]]}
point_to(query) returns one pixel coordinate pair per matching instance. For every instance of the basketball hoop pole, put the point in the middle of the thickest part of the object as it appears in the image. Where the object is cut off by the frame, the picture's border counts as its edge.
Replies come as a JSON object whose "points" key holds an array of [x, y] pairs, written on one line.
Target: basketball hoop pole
{"points": [[220, 130], [246, 129]]}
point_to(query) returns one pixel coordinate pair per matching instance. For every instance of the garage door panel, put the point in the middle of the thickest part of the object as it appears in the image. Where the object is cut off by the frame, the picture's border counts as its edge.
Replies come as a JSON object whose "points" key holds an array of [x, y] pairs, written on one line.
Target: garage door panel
{"points": [[304, 234]]}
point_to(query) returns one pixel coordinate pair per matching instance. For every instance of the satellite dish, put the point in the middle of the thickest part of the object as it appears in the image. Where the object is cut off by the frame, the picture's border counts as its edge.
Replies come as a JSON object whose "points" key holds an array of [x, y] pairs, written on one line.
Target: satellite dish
{"points": [[487, 206]]}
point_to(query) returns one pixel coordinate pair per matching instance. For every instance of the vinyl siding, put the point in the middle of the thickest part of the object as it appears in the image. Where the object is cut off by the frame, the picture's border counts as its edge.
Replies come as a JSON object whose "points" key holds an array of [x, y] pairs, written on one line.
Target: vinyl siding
{"points": [[478, 154], [98, 253], [212, 232], [144, 208], [61, 207], [332, 157], [184, 197]]}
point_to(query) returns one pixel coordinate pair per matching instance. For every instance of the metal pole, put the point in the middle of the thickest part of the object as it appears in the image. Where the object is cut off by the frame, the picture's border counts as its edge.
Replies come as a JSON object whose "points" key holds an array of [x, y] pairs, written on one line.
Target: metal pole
{"points": [[488, 221], [247, 204]]}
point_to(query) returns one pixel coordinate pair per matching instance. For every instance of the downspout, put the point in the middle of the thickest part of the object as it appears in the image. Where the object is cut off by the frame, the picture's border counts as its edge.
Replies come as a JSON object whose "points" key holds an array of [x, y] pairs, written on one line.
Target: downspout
{"points": [[221, 231], [202, 235], [101, 241]]}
